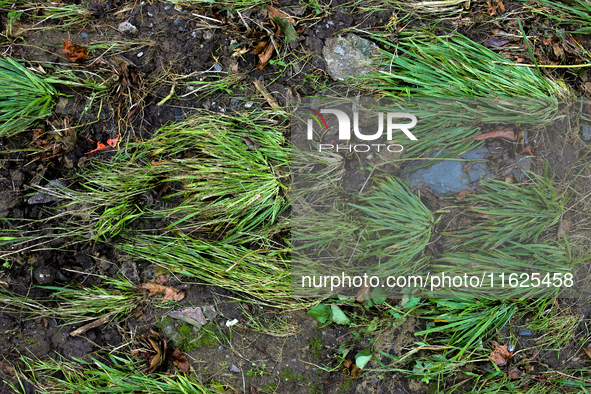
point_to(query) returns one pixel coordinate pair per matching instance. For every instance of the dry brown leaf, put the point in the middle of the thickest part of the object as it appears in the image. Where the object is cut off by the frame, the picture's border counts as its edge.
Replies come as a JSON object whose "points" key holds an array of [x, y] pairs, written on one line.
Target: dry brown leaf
{"points": [[464, 193], [558, 51], [157, 359], [529, 151], [500, 355], [355, 370], [265, 56], [363, 291], [170, 293], [492, 9], [564, 227], [274, 12], [161, 279], [347, 363], [507, 134], [501, 6], [74, 52], [514, 373], [258, 48], [588, 351], [510, 179], [180, 361]]}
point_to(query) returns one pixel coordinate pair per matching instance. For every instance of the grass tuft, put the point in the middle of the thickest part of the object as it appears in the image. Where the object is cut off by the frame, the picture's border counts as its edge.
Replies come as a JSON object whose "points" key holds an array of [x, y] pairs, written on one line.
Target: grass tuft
{"points": [[24, 97]]}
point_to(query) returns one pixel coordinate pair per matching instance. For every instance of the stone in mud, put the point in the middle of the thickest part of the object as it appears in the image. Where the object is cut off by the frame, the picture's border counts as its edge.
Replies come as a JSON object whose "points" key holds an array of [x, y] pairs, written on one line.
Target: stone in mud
{"points": [[348, 57], [448, 176]]}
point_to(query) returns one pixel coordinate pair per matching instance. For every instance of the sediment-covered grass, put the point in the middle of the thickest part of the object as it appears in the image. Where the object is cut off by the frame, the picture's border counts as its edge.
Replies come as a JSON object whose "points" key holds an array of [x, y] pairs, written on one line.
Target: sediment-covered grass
{"points": [[261, 271], [110, 374], [399, 227], [224, 173], [115, 297]]}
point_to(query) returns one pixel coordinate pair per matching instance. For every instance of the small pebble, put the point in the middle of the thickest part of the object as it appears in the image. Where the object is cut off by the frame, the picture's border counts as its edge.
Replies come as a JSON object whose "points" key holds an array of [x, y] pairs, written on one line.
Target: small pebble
{"points": [[167, 8], [150, 14], [220, 347], [194, 34], [248, 104], [525, 333], [181, 28], [323, 332], [294, 360], [217, 67], [234, 369], [127, 27], [140, 54], [177, 21], [84, 34]]}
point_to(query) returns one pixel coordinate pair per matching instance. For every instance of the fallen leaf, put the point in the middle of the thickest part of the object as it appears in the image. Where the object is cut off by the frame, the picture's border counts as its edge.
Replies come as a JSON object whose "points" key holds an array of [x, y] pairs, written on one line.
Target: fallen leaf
{"points": [[501, 5], [170, 293], [111, 143], [181, 361], [363, 291], [514, 373], [492, 9], [274, 12], [74, 52], [347, 363], [500, 355], [193, 316], [354, 371], [564, 227], [265, 56], [252, 144], [507, 134], [258, 48], [156, 164], [510, 179], [528, 150], [157, 359], [588, 351], [495, 42], [558, 51], [162, 279], [464, 193], [548, 41]]}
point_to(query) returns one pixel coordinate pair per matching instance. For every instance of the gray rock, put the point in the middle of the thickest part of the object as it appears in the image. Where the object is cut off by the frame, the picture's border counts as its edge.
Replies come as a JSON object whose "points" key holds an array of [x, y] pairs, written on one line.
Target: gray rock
{"points": [[126, 27], [84, 34], [177, 21], [217, 67], [348, 57], [447, 176], [207, 35], [234, 369], [524, 163], [235, 103], [586, 130], [48, 194]]}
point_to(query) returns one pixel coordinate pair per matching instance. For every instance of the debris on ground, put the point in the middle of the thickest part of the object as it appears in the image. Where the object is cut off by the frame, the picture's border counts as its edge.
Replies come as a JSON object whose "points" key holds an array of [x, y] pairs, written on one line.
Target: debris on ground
{"points": [[76, 53], [169, 293], [500, 355], [348, 56]]}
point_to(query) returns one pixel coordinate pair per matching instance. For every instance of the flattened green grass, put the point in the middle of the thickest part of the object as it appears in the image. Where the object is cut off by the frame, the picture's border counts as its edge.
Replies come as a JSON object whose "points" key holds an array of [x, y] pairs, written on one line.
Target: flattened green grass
{"points": [[25, 97]]}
